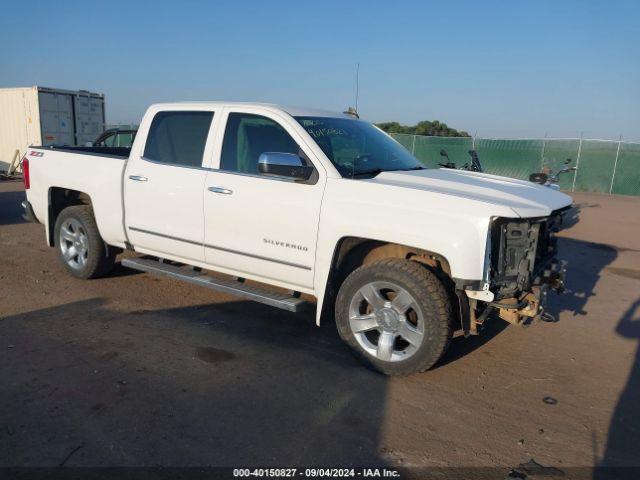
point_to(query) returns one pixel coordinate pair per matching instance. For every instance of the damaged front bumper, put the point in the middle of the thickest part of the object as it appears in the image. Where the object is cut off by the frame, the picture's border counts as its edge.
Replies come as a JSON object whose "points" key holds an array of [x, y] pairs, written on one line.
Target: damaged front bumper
{"points": [[530, 305], [523, 309]]}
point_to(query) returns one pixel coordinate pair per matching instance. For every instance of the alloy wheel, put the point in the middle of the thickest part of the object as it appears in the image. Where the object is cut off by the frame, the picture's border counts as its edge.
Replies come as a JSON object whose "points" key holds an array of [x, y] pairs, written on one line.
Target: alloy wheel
{"points": [[386, 321]]}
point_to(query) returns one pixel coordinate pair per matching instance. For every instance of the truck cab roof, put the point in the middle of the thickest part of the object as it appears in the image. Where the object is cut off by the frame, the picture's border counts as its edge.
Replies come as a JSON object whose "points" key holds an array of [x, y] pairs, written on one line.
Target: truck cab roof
{"points": [[294, 111]]}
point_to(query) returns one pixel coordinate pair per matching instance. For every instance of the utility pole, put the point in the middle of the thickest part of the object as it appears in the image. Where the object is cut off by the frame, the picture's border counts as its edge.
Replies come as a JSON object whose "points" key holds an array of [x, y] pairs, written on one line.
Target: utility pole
{"points": [[575, 172]]}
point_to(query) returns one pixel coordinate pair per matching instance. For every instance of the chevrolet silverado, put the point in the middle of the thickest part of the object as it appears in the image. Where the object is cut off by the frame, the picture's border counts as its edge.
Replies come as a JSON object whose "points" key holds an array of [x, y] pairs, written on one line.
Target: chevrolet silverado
{"points": [[271, 203]]}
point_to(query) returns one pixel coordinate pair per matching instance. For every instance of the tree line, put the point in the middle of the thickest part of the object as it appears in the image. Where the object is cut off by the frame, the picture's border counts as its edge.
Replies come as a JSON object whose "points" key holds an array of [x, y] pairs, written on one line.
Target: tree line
{"points": [[425, 127]]}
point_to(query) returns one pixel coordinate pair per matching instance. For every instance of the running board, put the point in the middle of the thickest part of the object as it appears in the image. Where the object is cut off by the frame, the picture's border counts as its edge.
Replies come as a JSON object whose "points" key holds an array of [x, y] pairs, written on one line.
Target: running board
{"points": [[186, 273]]}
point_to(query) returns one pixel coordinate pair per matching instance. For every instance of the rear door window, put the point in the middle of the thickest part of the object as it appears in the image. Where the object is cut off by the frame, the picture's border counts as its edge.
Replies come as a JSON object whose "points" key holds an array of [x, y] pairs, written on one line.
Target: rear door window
{"points": [[178, 138]]}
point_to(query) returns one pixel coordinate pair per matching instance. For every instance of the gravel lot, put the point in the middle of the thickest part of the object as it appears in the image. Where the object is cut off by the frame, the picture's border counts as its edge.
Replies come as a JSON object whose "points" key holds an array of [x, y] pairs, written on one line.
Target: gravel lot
{"points": [[134, 370]]}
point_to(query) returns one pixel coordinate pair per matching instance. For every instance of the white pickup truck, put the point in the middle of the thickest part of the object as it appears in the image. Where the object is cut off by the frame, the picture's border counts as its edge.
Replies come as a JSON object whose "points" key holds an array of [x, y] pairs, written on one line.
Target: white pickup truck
{"points": [[302, 201]]}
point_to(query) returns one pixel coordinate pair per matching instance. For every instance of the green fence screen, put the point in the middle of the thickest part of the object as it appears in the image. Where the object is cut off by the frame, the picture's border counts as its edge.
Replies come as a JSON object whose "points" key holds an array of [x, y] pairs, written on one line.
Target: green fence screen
{"points": [[603, 166]]}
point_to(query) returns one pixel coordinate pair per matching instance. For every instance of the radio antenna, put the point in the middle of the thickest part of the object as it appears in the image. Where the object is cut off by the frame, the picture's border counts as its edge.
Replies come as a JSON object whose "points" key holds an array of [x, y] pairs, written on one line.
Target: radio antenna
{"points": [[357, 83], [353, 111]]}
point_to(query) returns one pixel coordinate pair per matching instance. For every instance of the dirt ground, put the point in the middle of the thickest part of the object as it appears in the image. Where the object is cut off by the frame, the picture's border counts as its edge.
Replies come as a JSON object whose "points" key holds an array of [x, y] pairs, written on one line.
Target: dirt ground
{"points": [[134, 370]]}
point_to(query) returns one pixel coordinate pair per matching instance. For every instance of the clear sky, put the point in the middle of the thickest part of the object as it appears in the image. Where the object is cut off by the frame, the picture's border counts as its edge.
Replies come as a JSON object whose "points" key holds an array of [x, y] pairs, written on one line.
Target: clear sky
{"points": [[502, 69]]}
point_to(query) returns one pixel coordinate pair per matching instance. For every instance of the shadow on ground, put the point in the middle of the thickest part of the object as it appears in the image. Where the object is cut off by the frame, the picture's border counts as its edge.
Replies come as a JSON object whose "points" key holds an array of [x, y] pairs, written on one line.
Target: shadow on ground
{"points": [[624, 431], [586, 262], [121, 388], [10, 208]]}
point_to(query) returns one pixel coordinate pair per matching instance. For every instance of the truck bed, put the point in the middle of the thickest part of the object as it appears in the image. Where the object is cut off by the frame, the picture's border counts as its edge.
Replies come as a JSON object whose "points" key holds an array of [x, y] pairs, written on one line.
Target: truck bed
{"points": [[93, 171]]}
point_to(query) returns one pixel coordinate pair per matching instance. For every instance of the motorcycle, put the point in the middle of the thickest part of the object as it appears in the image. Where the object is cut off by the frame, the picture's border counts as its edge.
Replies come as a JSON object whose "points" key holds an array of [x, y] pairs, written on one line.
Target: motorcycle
{"points": [[549, 179], [474, 166]]}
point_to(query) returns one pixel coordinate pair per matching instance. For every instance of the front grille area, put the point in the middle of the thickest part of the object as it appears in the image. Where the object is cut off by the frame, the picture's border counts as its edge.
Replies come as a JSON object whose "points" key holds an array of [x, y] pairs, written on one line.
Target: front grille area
{"points": [[520, 249]]}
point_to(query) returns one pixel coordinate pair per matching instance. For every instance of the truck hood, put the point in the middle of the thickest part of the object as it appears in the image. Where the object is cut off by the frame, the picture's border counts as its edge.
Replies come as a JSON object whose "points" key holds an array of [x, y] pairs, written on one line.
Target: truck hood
{"points": [[526, 199]]}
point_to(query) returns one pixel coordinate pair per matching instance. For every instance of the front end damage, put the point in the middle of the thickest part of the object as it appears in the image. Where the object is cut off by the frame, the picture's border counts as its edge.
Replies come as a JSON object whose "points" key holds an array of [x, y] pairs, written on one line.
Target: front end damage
{"points": [[521, 269]]}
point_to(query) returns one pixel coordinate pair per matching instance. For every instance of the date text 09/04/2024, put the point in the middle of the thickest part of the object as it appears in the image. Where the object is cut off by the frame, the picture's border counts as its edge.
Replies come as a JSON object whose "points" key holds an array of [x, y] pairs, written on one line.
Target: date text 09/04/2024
{"points": [[315, 473]]}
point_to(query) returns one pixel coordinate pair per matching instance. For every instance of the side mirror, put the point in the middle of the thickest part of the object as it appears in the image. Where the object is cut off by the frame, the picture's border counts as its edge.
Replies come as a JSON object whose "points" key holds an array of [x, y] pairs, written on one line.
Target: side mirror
{"points": [[540, 178], [283, 165], [567, 161], [444, 153]]}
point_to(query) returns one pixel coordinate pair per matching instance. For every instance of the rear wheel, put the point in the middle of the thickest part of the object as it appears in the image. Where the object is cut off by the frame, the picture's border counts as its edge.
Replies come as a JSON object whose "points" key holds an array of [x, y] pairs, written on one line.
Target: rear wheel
{"points": [[396, 314], [79, 245]]}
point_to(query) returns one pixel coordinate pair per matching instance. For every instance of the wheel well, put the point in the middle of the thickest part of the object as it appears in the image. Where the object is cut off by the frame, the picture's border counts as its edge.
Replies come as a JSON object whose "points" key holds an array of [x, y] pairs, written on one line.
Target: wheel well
{"points": [[61, 198], [352, 252]]}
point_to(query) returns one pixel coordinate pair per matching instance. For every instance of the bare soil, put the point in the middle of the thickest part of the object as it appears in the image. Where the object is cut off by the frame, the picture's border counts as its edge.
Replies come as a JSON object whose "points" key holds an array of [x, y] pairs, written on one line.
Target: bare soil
{"points": [[134, 370]]}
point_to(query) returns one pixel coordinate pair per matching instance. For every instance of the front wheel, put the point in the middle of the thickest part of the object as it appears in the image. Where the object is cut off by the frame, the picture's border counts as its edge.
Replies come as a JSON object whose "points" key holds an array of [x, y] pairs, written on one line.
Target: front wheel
{"points": [[79, 245], [396, 315]]}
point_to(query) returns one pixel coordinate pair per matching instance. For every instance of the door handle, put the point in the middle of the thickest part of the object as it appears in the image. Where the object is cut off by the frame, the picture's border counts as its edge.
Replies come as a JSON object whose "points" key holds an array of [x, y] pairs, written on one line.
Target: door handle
{"points": [[138, 178], [224, 191]]}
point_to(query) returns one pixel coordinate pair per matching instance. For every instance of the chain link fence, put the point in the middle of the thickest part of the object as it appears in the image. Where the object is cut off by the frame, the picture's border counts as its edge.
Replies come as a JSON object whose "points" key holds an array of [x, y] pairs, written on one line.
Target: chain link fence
{"points": [[603, 166]]}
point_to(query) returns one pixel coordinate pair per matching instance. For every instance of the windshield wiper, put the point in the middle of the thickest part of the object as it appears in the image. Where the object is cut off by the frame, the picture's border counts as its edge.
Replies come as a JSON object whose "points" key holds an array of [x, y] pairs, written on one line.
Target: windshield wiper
{"points": [[373, 172], [419, 167]]}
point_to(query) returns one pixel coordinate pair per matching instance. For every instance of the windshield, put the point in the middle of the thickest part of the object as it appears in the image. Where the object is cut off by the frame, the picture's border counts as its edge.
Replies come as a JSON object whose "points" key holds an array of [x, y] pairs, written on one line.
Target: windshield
{"points": [[357, 148]]}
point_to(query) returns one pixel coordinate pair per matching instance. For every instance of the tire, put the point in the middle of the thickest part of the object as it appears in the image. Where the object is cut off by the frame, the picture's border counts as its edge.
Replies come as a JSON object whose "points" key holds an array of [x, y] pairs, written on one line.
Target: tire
{"points": [[395, 343], [78, 243]]}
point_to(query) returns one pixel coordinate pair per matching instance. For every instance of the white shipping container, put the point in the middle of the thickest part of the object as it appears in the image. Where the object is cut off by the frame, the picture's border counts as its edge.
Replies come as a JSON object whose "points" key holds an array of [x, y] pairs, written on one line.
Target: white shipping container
{"points": [[47, 116]]}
